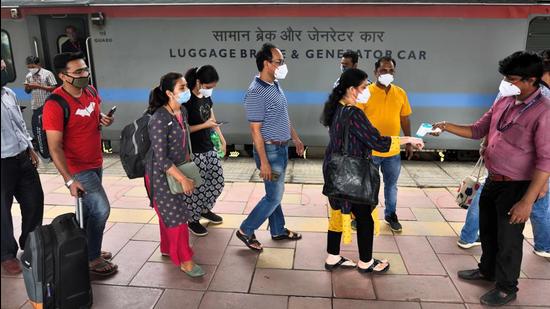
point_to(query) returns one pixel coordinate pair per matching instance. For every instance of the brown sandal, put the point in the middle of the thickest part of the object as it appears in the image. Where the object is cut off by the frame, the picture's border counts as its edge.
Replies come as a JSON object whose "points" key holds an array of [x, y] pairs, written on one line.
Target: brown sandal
{"points": [[106, 255], [103, 268]]}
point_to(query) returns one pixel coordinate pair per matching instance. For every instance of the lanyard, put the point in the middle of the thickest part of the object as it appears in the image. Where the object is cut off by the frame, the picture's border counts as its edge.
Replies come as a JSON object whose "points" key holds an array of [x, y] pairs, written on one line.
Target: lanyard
{"points": [[503, 127]]}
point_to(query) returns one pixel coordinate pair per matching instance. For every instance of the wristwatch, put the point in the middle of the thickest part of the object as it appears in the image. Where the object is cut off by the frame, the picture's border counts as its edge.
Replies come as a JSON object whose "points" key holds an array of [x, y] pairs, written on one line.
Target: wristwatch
{"points": [[69, 183]]}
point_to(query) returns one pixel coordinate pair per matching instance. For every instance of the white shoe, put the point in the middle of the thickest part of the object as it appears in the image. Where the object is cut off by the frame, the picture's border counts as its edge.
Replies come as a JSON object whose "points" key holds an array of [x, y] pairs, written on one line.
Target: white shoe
{"points": [[544, 254], [465, 245]]}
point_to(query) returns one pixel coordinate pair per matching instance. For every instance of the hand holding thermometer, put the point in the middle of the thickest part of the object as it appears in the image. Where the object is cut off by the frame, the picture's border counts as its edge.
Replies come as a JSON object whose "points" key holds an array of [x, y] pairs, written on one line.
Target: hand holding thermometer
{"points": [[426, 128]]}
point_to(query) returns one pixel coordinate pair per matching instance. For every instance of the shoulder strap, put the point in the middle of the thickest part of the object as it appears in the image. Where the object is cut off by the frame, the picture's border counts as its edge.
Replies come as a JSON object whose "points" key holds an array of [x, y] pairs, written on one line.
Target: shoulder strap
{"points": [[92, 91], [188, 131], [63, 104]]}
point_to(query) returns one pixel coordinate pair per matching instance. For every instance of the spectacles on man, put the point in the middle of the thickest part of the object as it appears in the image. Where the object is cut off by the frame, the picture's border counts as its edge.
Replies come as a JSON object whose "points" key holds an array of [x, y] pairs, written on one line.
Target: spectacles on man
{"points": [[79, 71]]}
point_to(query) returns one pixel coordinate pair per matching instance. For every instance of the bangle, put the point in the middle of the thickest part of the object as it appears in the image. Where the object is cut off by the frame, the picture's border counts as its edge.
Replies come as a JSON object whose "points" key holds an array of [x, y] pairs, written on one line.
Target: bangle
{"points": [[69, 183]]}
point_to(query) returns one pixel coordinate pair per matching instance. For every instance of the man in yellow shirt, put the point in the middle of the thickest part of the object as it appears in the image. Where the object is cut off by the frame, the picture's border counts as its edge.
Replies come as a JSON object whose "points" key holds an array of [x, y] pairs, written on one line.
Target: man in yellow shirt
{"points": [[388, 109]]}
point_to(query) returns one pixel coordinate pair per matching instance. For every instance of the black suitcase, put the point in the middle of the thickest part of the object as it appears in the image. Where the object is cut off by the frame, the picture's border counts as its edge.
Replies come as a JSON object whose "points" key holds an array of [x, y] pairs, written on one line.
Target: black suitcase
{"points": [[55, 264]]}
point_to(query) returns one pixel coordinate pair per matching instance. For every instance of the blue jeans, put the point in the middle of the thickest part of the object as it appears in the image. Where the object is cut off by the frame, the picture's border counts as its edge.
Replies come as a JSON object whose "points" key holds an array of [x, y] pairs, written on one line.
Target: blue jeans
{"points": [[96, 209], [391, 167], [540, 221], [269, 206]]}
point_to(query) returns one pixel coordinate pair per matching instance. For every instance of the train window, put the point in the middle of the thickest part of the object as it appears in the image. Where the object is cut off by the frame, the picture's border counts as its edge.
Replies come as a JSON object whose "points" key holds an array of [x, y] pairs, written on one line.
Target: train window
{"points": [[7, 56], [539, 33]]}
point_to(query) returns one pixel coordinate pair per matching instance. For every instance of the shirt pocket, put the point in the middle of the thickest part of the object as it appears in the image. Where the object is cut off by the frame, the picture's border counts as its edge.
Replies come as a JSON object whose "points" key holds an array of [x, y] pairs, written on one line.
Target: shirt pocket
{"points": [[518, 136]]}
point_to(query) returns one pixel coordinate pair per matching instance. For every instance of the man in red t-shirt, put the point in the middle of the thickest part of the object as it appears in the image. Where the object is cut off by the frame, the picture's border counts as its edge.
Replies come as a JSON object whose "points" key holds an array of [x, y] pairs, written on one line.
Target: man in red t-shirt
{"points": [[75, 147]]}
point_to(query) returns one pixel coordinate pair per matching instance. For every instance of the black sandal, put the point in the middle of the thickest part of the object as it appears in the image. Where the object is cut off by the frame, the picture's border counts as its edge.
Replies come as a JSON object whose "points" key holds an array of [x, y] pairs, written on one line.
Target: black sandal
{"points": [[249, 241], [371, 269], [331, 267], [288, 235]]}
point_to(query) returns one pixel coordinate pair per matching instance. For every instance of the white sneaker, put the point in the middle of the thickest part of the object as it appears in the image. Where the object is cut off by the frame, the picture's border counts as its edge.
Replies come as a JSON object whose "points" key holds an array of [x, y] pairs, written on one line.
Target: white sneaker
{"points": [[544, 254], [464, 245]]}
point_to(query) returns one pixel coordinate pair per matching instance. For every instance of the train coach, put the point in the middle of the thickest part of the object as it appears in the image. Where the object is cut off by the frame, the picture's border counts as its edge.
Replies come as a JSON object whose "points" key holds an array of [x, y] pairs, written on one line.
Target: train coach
{"points": [[447, 53]]}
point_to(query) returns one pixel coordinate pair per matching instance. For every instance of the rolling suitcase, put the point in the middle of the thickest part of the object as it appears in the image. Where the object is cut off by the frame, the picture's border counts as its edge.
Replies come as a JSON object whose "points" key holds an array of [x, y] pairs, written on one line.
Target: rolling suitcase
{"points": [[55, 264]]}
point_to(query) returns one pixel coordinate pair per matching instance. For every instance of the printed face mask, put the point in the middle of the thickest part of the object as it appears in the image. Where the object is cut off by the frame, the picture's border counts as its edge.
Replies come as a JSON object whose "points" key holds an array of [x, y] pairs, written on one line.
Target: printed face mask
{"points": [[206, 92], [184, 96], [385, 79], [508, 89], [281, 72]]}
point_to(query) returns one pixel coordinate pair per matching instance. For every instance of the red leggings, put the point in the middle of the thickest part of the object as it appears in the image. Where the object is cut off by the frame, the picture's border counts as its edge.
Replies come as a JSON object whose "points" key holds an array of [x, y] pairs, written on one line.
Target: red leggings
{"points": [[174, 241]]}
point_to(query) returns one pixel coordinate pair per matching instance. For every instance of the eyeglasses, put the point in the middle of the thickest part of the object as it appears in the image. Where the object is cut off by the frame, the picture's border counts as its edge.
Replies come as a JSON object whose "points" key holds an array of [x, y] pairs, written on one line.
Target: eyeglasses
{"points": [[278, 62], [79, 71]]}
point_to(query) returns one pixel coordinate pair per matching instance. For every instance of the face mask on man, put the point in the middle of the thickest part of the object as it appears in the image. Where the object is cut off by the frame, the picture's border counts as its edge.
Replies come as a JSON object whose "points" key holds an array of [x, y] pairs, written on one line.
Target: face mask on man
{"points": [[80, 82], [363, 97], [385, 79], [206, 92], [34, 70], [183, 97], [508, 89], [281, 72], [343, 68]]}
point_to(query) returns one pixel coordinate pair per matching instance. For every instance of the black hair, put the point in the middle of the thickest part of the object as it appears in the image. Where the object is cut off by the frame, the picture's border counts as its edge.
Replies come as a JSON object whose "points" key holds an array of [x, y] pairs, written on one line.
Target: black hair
{"points": [[32, 60], [71, 27], [378, 62], [205, 74], [352, 55], [263, 54], [60, 61], [522, 63], [545, 55], [158, 97], [350, 78]]}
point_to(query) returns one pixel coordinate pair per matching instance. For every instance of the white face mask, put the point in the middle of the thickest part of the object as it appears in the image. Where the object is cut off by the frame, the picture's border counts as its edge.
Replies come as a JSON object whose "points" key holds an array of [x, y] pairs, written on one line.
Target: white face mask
{"points": [[34, 70], [363, 97], [281, 72], [206, 92], [385, 79], [508, 89], [343, 68]]}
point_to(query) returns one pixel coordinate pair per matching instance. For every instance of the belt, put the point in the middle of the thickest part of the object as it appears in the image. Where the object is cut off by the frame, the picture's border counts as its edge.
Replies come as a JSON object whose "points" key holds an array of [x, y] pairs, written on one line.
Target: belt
{"points": [[278, 143], [496, 177]]}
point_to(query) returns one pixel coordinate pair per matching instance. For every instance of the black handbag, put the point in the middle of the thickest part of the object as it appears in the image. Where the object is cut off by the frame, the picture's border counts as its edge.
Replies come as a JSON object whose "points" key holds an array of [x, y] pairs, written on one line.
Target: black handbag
{"points": [[350, 178]]}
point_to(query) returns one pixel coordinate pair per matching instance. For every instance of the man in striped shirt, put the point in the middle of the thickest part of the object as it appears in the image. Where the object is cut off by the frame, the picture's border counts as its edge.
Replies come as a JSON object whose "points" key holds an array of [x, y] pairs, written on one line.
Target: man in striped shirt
{"points": [[267, 111]]}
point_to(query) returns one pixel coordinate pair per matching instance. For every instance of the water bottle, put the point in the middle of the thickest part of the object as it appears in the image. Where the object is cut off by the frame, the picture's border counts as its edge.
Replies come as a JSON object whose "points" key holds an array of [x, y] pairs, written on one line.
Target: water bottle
{"points": [[215, 138]]}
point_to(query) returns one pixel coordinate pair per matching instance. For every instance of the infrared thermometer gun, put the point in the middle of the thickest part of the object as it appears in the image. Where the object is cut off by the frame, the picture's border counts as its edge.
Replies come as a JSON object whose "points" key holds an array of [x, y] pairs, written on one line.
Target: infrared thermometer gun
{"points": [[426, 128]]}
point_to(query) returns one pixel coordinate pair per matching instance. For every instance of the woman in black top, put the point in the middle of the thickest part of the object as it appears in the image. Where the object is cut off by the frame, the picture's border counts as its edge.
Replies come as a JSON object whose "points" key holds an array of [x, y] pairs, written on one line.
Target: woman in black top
{"points": [[203, 126], [363, 138]]}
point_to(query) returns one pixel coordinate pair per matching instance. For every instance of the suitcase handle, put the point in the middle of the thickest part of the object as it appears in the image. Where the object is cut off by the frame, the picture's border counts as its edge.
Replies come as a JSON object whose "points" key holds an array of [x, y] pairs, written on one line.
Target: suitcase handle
{"points": [[79, 212]]}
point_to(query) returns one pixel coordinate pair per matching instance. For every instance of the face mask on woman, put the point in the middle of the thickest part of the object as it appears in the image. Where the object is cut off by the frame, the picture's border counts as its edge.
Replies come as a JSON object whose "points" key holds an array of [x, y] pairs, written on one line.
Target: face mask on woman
{"points": [[206, 92], [363, 97], [183, 97]]}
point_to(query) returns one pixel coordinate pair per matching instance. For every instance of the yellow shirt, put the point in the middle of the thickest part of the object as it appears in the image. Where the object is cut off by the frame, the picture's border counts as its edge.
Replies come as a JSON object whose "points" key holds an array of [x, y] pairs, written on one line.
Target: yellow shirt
{"points": [[384, 111]]}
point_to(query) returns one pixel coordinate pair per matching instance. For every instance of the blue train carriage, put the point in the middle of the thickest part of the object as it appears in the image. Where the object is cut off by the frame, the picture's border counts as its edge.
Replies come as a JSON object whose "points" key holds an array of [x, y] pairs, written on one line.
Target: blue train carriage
{"points": [[447, 53]]}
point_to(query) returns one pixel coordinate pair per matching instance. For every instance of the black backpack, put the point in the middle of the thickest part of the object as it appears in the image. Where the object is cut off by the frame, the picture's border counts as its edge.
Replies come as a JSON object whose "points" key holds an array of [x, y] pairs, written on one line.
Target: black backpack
{"points": [[37, 121], [134, 145]]}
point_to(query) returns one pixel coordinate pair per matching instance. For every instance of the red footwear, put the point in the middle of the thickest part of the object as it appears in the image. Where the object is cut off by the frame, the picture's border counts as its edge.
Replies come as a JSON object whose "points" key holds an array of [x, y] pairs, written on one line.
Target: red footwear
{"points": [[12, 266]]}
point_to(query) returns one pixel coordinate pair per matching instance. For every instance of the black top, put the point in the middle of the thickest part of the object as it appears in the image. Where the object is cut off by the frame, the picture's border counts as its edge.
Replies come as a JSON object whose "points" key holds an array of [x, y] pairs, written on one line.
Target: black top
{"points": [[199, 111], [75, 47]]}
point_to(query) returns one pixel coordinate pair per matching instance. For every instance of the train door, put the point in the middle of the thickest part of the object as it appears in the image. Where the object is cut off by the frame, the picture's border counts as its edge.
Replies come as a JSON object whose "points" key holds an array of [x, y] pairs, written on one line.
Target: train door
{"points": [[65, 33], [538, 37]]}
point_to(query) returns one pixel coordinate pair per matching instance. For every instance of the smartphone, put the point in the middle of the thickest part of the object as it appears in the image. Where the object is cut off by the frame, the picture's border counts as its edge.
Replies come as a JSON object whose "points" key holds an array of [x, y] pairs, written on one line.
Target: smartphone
{"points": [[222, 122], [275, 176], [112, 111]]}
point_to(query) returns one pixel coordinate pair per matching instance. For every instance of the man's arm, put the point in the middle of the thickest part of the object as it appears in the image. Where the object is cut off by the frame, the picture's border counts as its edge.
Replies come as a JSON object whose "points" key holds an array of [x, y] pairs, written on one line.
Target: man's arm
{"points": [[297, 142], [456, 129], [258, 140], [406, 127], [55, 146], [522, 210]]}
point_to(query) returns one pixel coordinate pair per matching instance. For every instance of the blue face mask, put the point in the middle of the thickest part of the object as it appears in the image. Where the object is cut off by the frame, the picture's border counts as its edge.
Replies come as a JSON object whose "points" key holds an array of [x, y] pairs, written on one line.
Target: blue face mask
{"points": [[184, 96]]}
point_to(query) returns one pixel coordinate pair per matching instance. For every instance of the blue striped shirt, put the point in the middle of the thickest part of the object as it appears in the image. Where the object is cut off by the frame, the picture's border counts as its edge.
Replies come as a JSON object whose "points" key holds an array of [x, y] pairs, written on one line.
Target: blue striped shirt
{"points": [[266, 103]]}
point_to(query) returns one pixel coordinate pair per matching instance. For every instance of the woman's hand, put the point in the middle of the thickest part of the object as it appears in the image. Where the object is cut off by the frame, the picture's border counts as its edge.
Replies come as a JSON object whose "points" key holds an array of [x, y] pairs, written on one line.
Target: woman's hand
{"points": [[416, 142], [187, 184]]}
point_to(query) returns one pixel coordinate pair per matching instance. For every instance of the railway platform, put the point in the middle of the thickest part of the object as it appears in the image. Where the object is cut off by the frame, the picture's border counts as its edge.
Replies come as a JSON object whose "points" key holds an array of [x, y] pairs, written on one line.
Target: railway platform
{"points": [[424, 257]]}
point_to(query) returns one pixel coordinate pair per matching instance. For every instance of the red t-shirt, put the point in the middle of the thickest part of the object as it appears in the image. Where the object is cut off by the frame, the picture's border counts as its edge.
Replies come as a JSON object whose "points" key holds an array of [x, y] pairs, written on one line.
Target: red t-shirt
{"points": [[81, 136]]}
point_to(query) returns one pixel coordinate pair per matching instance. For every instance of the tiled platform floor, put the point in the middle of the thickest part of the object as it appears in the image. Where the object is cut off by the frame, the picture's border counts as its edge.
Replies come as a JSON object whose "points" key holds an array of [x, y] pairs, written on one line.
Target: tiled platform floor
{"points": [[424, 257]]}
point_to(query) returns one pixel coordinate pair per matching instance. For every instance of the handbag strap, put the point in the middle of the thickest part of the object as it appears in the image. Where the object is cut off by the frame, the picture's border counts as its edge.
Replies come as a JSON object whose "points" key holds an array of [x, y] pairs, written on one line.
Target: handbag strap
{"points": [[188, 131], [478, 167], [346, 132]]}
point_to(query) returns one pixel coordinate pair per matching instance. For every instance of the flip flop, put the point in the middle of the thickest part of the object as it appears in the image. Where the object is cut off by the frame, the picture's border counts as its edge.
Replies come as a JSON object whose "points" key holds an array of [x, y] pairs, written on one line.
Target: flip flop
{"points": [[106, 255], [331, 267], [288, 235], [371, 269], [249, 241], [104, 269]]}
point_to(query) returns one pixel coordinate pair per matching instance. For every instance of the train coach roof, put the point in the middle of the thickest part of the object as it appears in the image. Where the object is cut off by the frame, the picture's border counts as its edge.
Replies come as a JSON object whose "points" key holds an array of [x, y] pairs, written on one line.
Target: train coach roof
{"points": [[42, 3]]}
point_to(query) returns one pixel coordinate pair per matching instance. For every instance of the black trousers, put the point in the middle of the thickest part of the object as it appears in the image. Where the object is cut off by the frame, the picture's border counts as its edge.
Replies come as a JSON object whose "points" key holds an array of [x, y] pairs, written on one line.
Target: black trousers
{"points": [[20, 180], [365, 233], [501, 242]]}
